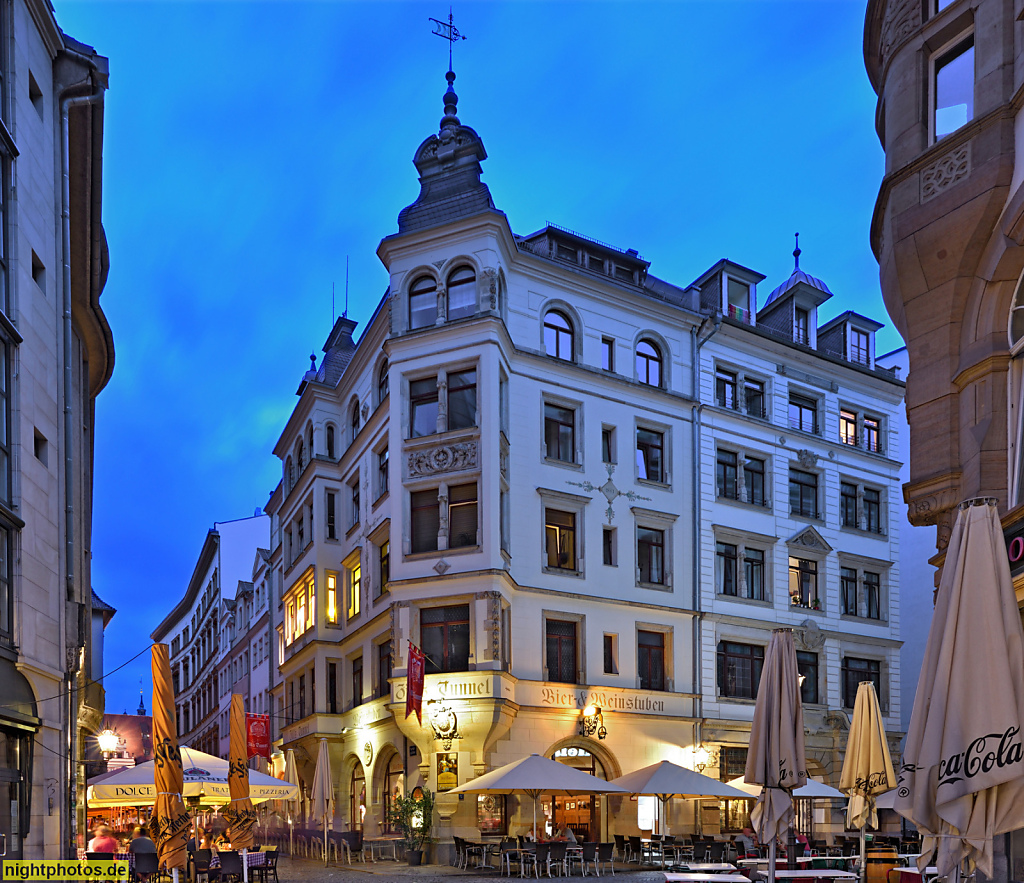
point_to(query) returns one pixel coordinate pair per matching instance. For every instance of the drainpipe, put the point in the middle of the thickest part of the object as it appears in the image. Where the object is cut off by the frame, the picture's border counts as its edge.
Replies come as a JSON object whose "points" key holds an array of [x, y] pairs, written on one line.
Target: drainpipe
{"points": [[696, 342], [67, 103]]}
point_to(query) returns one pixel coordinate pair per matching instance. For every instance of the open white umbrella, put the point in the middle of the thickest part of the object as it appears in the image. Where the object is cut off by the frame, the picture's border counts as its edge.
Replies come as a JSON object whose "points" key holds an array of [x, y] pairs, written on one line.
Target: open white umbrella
{"points": [[323, 790], [775, 758], [867, 767], [815, 789], [536, 775], [962, 779], [666, 780]]}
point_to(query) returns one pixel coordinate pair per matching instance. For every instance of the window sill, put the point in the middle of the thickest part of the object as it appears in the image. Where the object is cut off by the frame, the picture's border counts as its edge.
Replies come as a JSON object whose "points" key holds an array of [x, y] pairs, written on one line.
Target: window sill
{"points": [[650, 482], [564, 464], [861, 531], [739, 700], [805, 607], [562, 571], [383, 496], [816, 519], [742, 600], [746, 504], [352, 529], [441, 553], [870, 620], [657, 587]]}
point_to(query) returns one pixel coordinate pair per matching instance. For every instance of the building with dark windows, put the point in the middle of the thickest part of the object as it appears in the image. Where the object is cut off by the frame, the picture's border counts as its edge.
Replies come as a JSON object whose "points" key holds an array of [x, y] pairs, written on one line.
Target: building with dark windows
{"points": [[56, 355], [948, 231], [587, 495]]}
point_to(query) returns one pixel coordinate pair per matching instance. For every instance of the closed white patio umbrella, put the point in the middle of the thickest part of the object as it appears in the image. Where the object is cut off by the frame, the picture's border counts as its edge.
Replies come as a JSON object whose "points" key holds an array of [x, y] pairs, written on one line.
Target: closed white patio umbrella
{"points": [[962, 778], [536, 775]]}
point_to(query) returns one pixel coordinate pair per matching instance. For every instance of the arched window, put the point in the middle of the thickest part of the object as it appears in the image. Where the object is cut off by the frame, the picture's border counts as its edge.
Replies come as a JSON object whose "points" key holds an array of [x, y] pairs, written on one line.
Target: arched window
{"points": [[394, 787], [354, 420], [357, 799], [299, 459], [648, 363], [422, 303], [558, 336], [289, 474], [309, 440], [330, 441], [461, 293], [382, 383]]}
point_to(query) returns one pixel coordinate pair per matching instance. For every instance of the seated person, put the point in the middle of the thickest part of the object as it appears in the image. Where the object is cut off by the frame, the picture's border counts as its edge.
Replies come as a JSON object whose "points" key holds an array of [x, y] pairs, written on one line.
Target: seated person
{"points": [[565, 833], [224, 841], [748, 842], [103, 841], [141, 841]]}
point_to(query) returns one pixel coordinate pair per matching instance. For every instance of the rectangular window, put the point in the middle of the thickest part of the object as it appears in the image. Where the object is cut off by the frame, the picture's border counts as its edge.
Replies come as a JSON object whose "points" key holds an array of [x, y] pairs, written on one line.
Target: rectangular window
{"points": [[354, 505], [561, 650], [807, 665], [608, 445], [725, 568], [854, 671], [872, 510], [801, 326], [873, 595], [848, 591], [803, 493], [559, 433], [462, 512], [739, 669], [302, 696], [650, 653], [461, 399], [803, 413], [803, 583], [355, 589], [384, 669], [848, 504], [650, 554], [382, 473], [423, 409], [753, 394], [426, 521], [608, 546], [859, 347], [444, 637], [332, 688], [332, 598], [607, 354], [753, 571], [357, 681], [384, 565], [953, 88], [650, 454], [491, 815], [725, 475], [753, 478], [848, 427], [332, 527], [560, 539], [610, 664], [725, 389], [872, 435]]}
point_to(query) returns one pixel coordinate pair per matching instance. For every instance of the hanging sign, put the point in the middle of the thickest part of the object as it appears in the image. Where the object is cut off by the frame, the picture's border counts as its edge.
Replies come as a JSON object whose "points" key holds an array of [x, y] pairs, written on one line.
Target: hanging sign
{"points": [[414, 677], [257, 735]]}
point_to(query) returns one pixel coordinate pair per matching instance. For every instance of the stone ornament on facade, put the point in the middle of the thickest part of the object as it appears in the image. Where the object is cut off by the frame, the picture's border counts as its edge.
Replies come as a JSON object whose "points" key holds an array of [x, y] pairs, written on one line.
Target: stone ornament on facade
{"points": [[809, 538], [446, 458], [495, 625], [902, 18], [807, 459], [610, 491], [368, 754], [809, 636], [945, 172], [442, 567], [491, 277], [444, 722]]}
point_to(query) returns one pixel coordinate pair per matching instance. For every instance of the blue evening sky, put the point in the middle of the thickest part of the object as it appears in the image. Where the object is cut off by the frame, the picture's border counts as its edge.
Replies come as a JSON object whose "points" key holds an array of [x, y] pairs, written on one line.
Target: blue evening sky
{"points": [[249, 147]]}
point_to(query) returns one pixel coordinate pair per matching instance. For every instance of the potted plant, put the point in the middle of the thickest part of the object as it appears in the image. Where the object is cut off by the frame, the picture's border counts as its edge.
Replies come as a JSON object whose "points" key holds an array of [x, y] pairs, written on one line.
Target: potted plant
{"points": [[411, 816]]}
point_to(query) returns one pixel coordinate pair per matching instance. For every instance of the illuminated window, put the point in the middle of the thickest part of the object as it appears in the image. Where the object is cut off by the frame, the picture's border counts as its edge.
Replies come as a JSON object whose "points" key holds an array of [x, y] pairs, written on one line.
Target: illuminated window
{"points": [[355, 584], [332, 598], [300, 608]]}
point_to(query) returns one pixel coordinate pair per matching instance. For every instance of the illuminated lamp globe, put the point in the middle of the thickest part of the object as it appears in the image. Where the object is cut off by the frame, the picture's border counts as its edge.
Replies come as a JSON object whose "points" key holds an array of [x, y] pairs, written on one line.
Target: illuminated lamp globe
{"points": [[107, 741]]}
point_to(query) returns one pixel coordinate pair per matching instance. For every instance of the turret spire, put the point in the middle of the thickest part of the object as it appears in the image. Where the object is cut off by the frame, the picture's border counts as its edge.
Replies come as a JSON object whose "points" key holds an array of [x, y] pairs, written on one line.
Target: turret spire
{"points": [[796, 254]]}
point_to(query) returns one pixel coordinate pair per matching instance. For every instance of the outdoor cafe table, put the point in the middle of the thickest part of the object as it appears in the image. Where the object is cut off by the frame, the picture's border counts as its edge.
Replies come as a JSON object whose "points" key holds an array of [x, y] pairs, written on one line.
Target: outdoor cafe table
{"points": [[688, 877], [913, 875], [378, 845], [816, 874], [708, 867]]}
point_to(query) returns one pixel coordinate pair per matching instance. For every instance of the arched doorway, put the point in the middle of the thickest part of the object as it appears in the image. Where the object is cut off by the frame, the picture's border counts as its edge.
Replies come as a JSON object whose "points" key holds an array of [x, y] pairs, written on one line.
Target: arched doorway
{"points": [[584, 814], [357, 798], [392, 786]]}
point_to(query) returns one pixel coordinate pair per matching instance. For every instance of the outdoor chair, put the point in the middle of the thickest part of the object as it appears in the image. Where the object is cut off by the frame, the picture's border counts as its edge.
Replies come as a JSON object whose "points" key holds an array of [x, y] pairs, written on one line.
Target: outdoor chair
{"points": [[700, 851], [470, 850], [354, 843], [508, 853], [636, 849], [459, 852], [620, 846], [99, 856], [146, 863], [528, 860], [261, 873], [540, 857], [230, 865], [556, 858], [604, 856], [587, 857], [715, 851], [201, 864]]}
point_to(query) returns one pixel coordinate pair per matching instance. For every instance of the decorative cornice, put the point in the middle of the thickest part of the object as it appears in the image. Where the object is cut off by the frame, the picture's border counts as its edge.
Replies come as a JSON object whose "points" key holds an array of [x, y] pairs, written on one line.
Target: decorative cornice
{"points": [[927, 500], [995, 363]]}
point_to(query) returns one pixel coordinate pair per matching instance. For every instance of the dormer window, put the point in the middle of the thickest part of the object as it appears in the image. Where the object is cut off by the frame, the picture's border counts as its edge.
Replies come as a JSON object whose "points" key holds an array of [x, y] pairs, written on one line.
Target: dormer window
{"points": [[423, 303], [801, 326], [461, 293], [739, 300]]}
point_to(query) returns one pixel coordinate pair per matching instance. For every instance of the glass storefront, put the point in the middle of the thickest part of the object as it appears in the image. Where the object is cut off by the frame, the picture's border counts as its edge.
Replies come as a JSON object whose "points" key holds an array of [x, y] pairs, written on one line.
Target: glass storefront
{"points": [[583, 814]]}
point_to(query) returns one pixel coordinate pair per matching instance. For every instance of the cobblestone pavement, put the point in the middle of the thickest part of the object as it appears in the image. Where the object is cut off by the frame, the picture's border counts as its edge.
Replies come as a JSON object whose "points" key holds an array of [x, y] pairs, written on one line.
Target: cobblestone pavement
{"points": [[301, 870]]}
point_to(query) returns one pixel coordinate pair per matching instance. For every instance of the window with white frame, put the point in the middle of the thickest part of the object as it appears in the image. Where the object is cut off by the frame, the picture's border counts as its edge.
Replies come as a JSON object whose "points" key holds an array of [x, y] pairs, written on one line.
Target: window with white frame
{"points": [[649, 363], [443, 518], [300, 606], [559, 336], [861, 430], [740, 565], [860, 346], [952, 73], [331, 515], [803, 413], [803, 493], [559, 432], [651, 454], [354, 508], [803, 583], [353, 585], [456, 389], [861, 507], [422, 302], [861, 589], [461, 288], [382, 473], [562, 539]]}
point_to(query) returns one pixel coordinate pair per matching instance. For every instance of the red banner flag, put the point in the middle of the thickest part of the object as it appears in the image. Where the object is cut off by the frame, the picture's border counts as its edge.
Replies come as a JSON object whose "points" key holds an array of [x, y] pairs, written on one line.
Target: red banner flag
{"points": [[414, 682], [257, 735]]}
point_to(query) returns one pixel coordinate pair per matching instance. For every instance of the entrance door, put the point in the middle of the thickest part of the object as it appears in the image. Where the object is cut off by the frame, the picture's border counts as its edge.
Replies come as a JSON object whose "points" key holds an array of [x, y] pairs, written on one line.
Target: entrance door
{"points": [[10, 794], [582, 814]]}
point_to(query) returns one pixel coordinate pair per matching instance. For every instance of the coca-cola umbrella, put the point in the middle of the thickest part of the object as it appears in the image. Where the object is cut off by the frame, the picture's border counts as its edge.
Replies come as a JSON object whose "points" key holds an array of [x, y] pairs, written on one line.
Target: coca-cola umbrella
{"points": [[171, 821], [962, 778]]}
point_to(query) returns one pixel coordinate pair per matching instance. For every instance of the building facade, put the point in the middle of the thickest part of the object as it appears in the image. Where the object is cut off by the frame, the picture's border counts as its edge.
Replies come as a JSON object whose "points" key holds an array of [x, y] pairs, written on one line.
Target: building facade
{"points": [[503, 470], [193, 627], [56, 355]]}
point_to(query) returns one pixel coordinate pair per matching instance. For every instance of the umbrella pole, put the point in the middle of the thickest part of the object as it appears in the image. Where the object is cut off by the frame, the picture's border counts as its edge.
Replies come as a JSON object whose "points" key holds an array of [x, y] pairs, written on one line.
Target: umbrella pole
{"points": [[245, 866], [771, 861], [325, 840], [862, 870]]}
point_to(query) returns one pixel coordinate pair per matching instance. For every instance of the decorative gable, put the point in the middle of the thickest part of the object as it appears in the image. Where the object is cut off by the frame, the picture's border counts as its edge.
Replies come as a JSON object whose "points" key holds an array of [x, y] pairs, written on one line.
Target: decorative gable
{"points": [[809, 540]]}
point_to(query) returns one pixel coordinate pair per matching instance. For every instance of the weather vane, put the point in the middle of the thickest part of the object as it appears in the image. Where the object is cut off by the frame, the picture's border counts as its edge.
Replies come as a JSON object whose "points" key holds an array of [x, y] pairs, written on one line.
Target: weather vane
{"points": [[449, 32]]}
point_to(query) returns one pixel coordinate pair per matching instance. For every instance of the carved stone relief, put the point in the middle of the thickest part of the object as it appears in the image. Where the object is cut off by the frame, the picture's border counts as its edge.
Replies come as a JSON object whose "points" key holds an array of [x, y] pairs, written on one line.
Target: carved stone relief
{"points": [[809, 636], [446, 458], [809, 538], [807, 459], [945, 172], [902, 18]]}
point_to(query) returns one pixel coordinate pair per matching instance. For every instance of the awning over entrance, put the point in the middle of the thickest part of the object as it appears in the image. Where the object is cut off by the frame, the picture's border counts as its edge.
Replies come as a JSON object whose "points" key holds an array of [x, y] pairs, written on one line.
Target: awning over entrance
{"points": [[17, 701]]}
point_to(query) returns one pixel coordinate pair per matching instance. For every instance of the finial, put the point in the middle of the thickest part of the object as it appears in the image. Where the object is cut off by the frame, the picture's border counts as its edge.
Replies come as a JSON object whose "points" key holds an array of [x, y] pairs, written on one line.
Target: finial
{"points": [[312, 362], [451, 104], [796, 254]]}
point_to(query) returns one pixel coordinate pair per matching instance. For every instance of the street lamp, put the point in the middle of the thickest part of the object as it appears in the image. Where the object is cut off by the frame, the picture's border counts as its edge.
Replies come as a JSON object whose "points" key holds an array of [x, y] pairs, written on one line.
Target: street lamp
{"points": [[592, 721], [108, 741]]}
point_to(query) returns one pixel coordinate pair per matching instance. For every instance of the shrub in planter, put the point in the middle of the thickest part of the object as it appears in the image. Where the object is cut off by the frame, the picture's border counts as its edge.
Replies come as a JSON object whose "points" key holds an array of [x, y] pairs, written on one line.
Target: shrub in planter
{"points": [[412, 818]]}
